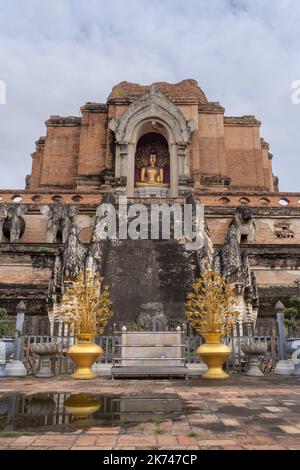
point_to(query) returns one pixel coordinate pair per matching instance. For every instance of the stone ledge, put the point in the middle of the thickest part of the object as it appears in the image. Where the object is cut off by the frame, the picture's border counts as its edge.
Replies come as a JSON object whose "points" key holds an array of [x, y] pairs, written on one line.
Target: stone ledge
{"points": [[91, 107], [272, 212], [42, 249], [213, 107], [264, 144], [60, 121], [41, 141], [247, 120]]}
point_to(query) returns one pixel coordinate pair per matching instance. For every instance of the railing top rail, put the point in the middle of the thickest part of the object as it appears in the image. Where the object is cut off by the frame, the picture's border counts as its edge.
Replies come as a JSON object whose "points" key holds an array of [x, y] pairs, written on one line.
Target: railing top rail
{"points": [[150, 359], [150, 345], [149, 332]]}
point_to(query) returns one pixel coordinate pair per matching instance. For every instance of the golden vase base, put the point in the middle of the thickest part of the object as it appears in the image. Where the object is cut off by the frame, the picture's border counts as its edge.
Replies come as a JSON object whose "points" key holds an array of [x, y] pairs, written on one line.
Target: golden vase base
{"points": [[214, 354], [215, 373], [83, 373]]}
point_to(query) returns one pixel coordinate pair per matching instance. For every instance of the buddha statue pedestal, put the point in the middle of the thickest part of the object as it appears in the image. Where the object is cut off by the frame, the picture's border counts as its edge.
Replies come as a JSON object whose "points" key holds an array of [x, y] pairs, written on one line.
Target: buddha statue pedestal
{"points": [[152, 191]]}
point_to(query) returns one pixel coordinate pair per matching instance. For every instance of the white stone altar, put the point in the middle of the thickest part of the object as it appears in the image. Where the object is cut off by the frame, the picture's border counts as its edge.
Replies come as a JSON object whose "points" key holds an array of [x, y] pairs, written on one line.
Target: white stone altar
{"points": [[150, 349]]}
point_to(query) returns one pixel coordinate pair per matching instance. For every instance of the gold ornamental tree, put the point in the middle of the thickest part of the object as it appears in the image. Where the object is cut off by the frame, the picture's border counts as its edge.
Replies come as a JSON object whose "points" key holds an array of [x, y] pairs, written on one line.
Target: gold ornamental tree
{"points": [[209, 307], [86, 304]]}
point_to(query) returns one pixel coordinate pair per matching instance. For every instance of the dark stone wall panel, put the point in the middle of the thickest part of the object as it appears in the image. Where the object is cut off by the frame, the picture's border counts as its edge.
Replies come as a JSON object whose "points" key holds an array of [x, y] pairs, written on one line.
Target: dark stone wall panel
{"points": [[145, 272]]}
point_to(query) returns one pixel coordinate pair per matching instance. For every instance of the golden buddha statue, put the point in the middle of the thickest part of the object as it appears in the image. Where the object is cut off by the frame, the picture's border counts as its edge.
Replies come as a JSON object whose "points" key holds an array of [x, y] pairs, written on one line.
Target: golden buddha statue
{"points": [[152, 175]]}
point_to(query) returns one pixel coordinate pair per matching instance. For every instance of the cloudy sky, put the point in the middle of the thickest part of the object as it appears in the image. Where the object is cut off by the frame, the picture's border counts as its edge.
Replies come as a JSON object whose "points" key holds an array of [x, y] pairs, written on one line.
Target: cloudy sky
{"points": [[57, 54]]}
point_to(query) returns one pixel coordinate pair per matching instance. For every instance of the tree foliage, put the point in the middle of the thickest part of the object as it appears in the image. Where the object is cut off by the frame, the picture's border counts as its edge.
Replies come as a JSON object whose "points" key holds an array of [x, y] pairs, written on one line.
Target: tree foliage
{"points": [[291, 313]]}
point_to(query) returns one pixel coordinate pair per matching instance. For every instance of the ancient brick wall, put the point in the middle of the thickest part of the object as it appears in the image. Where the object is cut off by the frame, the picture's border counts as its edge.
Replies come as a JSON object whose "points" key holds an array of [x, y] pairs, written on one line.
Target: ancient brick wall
{"points": [[78, 149], [37, 162], [211, 145], [244, 155], [25, 272], [60, 158], [93, 138], [269, 230]]}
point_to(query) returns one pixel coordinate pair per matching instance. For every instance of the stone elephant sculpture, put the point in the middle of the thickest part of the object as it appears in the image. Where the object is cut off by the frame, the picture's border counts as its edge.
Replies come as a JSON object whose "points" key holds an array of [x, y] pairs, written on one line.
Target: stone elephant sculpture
{"points": [[60, 218], [3, 215], [244, 224], [12, 224]]}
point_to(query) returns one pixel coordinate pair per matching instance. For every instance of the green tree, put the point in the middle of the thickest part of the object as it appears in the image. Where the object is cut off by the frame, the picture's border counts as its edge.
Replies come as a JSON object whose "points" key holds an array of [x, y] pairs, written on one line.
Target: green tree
{"points": [[291, 313]]}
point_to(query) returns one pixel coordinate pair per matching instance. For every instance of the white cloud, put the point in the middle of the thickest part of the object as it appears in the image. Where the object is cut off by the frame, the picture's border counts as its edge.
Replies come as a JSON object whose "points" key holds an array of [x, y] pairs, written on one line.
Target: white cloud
{"points": [[56, 55]]}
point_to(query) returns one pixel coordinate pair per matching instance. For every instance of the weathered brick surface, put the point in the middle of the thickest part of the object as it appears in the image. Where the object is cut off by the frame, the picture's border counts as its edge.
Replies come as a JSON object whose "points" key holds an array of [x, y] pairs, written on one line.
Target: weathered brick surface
{"points": [[59, 166], [37, 157], [92, 153], [24, 274], [77, 148], [186, 91]]}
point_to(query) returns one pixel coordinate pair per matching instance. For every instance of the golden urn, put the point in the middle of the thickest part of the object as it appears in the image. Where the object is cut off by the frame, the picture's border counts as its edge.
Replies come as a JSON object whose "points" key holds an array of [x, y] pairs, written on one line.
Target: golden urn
{"points": [[84, 354], [214, 354]]}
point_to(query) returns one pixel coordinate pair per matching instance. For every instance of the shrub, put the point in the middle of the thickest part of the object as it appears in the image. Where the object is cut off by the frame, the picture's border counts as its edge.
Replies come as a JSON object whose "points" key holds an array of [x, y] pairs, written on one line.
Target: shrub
{"points": [[6, 328]]}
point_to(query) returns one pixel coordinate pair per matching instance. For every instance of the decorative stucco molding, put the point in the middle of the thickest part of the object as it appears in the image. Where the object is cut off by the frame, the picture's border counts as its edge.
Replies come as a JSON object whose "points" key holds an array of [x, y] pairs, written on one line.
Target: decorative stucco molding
{"points": [[154, 105]]}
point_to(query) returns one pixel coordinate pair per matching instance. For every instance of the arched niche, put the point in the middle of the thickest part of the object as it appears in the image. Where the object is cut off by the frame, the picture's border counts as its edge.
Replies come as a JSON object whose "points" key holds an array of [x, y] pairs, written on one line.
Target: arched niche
{"points": [[148, 144], [153, 113]]}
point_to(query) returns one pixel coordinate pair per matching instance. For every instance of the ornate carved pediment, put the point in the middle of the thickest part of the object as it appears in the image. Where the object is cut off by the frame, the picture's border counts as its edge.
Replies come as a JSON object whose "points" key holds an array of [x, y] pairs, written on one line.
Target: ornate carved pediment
{"points": [[154, 105]]}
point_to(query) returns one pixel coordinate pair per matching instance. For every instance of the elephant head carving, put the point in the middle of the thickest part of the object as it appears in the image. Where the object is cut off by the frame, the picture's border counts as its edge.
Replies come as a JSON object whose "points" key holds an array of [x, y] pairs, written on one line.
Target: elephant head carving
{"points": [[244, 223], [60, 218], [12, 224]]}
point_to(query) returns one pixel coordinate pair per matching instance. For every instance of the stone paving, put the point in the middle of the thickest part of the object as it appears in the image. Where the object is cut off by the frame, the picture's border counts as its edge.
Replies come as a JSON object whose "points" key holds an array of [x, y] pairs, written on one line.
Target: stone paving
{"points": [[240, 413]]}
